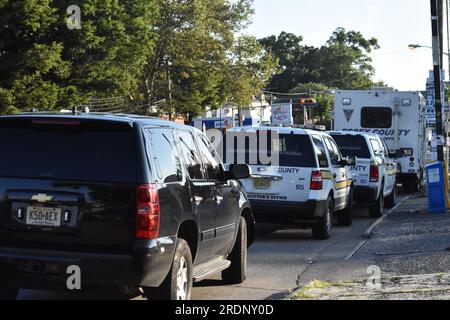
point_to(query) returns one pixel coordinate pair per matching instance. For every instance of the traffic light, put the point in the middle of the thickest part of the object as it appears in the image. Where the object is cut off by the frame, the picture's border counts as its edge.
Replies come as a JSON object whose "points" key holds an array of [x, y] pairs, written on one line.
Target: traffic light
{"points": [[308, 102]]}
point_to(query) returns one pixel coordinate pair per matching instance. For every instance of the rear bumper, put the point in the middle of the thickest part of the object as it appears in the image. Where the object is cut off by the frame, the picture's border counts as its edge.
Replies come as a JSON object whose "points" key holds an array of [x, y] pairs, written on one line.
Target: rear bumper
{"points": [[403, 178], [48, 270], [365, 194], [298, 213]]}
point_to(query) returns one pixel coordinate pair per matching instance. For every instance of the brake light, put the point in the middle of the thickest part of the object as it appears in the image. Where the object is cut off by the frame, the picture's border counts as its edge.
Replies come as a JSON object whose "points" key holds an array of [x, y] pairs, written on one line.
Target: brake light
{"points": [[56, 122], [374, 173], [316, 181], [147, 212]]}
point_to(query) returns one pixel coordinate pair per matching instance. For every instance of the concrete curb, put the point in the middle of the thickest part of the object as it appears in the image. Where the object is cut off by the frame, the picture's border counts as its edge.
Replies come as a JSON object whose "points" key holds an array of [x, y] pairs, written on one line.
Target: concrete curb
{"points": [[368, 233]]}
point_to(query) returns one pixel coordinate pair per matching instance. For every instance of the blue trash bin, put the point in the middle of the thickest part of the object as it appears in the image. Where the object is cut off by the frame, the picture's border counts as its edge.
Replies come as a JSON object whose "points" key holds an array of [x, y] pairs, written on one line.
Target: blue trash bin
{"points": [[436, 188]]}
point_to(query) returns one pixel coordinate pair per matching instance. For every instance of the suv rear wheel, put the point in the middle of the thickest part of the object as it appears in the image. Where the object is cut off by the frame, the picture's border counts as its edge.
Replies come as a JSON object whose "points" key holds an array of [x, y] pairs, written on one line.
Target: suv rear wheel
{"points": [[376, 210], [237, 272], [322, 229], [178, 284], [345, 216]]}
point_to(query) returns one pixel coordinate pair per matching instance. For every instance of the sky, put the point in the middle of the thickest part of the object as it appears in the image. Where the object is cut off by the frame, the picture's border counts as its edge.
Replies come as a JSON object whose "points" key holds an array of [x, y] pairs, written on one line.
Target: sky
{"points": [[395, 23]]}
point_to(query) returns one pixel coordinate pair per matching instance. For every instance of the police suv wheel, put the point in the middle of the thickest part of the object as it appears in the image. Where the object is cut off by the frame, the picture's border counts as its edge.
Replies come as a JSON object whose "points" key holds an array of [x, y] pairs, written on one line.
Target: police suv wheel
{"points": [[376, 210], [344, 217], [392, 199], [237, 272], [322, 229]]}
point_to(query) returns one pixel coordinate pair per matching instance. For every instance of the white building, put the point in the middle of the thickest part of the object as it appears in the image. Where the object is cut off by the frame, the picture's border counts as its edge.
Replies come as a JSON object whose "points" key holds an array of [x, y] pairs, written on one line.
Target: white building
{"points": [[258, 109]]}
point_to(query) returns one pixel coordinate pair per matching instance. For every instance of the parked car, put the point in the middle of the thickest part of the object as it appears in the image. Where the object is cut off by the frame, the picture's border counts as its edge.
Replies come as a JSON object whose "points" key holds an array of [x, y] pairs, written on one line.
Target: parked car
{"points": [[136, 202], [375, 171], [308, 185]]}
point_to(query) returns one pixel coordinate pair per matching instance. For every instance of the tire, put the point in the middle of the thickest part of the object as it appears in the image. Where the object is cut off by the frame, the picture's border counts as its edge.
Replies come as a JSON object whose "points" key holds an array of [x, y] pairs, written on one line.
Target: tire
{"points": [[391, 200], [322, 230], [178, 283], [344, 217], [237, 272], [414, 186], [376, 210], [7, 292]]}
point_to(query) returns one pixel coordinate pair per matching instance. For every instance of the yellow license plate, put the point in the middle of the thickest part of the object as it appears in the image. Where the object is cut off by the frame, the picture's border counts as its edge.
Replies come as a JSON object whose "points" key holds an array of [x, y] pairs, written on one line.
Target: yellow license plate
{"points": [[262, 184]]}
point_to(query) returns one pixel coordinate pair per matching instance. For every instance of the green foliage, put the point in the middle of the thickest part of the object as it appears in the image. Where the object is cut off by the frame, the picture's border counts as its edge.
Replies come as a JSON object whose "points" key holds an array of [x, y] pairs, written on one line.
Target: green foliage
{"points": [[343, 62], [45, 65], [129, 48], [323, 96], [207, 63]]}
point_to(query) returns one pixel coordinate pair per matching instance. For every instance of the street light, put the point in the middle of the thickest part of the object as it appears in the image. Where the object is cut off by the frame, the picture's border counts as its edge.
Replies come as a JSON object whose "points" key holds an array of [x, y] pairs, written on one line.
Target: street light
{"points": [[417, 46]]}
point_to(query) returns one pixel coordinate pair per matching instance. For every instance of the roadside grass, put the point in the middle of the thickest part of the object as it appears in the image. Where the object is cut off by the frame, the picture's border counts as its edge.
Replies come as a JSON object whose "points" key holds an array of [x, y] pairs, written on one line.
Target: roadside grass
{"points": [[304, 292], [393, 287]]}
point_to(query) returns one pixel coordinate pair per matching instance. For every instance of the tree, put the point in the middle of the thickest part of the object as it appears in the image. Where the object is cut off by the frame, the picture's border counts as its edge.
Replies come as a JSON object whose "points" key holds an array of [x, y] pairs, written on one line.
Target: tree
{"points": [[343, 62], [45, 65], [323, 96], [199, 50]]}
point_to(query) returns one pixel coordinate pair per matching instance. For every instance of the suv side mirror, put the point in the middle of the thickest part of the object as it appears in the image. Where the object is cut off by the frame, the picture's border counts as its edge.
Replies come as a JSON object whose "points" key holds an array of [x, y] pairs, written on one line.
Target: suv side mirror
{"points": [[240, 171], [348, 161]]}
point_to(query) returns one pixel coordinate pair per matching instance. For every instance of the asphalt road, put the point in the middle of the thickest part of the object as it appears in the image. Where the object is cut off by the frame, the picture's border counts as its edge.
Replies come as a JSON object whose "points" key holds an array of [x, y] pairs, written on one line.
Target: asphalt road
{"points": [[278, 262]]}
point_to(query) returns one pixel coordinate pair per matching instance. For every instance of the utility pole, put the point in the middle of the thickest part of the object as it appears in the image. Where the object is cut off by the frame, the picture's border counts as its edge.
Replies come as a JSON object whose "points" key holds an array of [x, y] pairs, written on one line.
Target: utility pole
{"points": [[437, 33]]}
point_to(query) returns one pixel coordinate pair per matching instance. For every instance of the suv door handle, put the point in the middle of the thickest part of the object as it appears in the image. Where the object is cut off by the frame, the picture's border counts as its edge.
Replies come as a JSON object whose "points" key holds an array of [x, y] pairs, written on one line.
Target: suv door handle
{"points": [[197, 200], [334, 175]]}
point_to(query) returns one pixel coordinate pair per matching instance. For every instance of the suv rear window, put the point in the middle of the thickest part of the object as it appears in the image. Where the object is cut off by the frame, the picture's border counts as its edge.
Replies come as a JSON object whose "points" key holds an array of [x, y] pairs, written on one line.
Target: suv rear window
{"points": [[352, 146], [103, 154], [294, 151]]}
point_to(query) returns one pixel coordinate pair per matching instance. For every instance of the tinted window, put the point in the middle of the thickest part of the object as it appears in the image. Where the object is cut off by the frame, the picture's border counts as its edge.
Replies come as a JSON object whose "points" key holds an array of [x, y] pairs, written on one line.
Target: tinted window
{"points": [[212, 162], [293, 150], [161, 148], [296, 151], [320, 150], [335, 156], [372, 117], [190, 155], [69, 152], [352, 146]]}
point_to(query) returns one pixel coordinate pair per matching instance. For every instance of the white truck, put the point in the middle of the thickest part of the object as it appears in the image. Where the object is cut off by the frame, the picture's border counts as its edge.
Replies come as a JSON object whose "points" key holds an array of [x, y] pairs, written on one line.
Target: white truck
{"points": [[397, 117]]}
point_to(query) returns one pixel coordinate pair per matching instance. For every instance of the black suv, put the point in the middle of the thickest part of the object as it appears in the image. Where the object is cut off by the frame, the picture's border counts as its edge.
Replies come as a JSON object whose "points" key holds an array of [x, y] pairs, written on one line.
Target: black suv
{"points": [[136, 202]]}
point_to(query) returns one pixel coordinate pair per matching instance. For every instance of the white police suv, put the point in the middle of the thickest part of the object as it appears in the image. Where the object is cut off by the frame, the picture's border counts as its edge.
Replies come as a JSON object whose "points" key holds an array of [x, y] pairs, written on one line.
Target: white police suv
{"points": [[299, 177], [374, 174]]}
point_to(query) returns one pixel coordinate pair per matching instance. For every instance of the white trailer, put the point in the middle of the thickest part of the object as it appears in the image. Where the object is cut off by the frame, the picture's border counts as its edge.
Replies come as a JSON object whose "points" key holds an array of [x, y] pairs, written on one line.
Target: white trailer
{"points": [[397, 117]]}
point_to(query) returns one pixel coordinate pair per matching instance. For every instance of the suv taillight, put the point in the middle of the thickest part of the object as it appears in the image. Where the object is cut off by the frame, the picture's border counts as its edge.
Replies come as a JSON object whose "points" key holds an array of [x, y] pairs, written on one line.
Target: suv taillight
{"points": [[374, 173], [148, 212], [316, 181]]}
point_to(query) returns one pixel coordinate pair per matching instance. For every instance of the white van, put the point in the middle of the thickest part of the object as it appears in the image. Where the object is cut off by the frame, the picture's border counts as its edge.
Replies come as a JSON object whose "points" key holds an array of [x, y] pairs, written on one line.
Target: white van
{"points": [[397, 117], [309, 183]]}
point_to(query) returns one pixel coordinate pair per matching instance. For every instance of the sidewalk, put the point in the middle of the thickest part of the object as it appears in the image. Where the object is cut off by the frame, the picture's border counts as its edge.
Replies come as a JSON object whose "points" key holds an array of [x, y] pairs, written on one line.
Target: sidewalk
{"points": [[409, 248]]}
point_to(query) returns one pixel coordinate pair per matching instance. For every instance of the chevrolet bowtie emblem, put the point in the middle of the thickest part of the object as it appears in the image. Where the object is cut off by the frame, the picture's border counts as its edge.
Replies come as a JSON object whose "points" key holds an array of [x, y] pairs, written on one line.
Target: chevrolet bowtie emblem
{"points": [[42, 198]]}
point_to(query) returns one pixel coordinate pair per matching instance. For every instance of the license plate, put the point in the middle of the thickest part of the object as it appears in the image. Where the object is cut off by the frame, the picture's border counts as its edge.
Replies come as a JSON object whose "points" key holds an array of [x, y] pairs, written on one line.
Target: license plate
{"points": [[262, 184], [46, 217]]}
